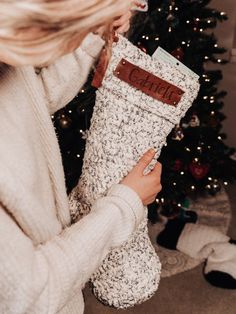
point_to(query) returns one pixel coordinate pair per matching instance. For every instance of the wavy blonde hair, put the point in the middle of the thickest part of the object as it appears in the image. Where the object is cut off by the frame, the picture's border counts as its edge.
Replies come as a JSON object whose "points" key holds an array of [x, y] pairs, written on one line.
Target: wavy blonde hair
{"points": [[38, 31]]}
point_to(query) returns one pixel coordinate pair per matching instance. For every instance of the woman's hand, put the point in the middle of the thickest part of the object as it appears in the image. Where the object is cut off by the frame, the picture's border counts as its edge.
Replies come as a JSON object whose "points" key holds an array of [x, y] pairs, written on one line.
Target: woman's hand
{"points": [[121, 24], [146, 186]]}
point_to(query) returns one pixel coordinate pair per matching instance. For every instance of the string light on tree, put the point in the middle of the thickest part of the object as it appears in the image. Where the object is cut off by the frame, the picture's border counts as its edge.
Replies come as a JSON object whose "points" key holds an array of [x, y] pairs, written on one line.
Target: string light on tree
{"points": [[181, 31]]}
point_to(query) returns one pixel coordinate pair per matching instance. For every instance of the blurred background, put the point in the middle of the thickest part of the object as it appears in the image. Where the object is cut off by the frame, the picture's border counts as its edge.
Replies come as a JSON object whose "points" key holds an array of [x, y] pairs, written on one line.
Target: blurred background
{"points": [[199, 159]]}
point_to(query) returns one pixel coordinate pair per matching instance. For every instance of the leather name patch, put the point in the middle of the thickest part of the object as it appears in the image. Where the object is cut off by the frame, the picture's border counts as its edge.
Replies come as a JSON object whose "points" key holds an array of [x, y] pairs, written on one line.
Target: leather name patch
{"points": [[148, 83]]}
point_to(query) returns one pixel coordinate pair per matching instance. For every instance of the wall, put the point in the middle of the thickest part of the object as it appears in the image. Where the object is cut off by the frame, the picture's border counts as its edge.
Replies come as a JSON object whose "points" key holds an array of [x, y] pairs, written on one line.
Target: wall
{"points": [[226, 34]]}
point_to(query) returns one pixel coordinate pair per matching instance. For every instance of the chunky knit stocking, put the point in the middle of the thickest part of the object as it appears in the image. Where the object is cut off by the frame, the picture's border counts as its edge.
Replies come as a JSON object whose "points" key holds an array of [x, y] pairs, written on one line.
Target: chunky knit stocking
{"points": [[127, 122]]}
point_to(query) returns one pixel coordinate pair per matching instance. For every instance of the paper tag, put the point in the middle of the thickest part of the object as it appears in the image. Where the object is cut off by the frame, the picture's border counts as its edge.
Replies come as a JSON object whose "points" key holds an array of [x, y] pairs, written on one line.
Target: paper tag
{"points": [[162, 54], [140, 5], [148, 83]]}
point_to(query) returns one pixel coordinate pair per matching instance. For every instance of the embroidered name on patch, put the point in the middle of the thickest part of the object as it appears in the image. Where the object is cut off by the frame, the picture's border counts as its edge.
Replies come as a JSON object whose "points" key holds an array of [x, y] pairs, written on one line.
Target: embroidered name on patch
{"points": [[148, 83]]}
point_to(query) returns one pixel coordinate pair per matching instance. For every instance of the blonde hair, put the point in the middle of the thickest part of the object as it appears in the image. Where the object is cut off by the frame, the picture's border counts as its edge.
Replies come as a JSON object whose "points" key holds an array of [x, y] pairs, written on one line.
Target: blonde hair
{"points": [[38, 31]]}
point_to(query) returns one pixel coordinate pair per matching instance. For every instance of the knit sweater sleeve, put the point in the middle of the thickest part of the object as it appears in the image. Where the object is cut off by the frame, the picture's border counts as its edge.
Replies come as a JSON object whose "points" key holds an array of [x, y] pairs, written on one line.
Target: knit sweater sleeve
{"points": [[63, 79], [39, 279]]}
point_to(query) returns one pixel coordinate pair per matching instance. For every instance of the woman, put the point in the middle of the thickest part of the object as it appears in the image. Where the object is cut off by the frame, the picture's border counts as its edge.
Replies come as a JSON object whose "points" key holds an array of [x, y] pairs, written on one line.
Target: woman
{"points": [[45, 261]]}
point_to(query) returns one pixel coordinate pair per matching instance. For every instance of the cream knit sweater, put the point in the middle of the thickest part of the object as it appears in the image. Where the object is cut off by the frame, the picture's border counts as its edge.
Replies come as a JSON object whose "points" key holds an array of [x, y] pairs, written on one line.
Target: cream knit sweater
{"points": [[44, 260]]}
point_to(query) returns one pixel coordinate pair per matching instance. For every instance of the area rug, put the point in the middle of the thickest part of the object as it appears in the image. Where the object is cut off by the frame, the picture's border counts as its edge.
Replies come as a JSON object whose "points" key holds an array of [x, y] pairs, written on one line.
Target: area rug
{"points": [[212, 211]]}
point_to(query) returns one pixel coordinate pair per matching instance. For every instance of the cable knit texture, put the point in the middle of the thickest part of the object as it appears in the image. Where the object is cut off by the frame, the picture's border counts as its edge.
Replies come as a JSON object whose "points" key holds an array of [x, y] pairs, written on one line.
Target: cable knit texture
{"points": [[125, 124], [45, 261]]}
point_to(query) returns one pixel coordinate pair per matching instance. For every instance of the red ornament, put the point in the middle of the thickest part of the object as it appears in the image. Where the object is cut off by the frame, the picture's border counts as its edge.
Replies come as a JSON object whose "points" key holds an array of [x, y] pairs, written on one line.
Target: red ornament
{"points": [[178, 165], [178, 53], [198, 170]]}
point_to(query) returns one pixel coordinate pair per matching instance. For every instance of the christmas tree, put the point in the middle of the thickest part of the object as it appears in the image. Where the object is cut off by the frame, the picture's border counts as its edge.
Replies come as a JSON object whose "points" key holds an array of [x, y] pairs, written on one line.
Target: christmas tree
{"points": [[195, 159]]}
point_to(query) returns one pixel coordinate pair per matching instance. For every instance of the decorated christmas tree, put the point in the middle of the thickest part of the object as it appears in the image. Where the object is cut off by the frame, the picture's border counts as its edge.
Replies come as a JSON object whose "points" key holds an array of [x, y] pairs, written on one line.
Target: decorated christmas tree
{"points": [[195, 159]]}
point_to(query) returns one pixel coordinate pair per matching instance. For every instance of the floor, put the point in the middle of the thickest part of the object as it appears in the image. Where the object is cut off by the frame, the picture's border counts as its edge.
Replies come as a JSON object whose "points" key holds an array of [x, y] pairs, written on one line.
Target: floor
{"points": [[185, 293]]}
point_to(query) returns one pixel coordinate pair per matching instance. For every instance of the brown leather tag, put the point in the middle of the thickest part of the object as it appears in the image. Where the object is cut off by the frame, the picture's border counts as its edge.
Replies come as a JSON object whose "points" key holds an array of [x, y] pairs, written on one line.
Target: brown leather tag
{"points": [[148, 83]]}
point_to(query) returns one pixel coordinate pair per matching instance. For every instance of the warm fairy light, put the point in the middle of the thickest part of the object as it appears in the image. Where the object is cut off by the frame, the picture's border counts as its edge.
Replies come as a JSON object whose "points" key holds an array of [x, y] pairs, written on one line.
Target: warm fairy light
{"points": [[219, 60], [170, 29], [182, 173], [187, 149], [78, 155], [206, 57], [208, 186], [143, 36], [70, 111], [201, 29], [197, 19], [209, 147], [157, 38], [179, 205], [215, 45], [165, 144], [199, 148], [225, 183], [159, 9], [187, 21], [176, 8], [196, 159], [212, 101], [162, 200], [147, 37], [81, 131], [219, 138], [52, 116], [205, 97], [208, 21], [82, 90], [174, 183], [212, 113], [157, 200], [210, 178], [183, 42], [83, 110], [192, 187], [188, 45], [222, 13]]}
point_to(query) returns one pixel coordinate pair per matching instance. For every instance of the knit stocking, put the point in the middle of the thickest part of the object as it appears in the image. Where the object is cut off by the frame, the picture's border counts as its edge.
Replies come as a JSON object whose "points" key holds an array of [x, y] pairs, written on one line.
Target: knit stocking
{"points": [[127, 122]]}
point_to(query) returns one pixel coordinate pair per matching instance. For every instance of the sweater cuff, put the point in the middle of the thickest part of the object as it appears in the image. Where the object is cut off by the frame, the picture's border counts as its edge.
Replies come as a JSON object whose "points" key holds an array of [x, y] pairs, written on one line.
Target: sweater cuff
{"points": [[92, 45], [131, 198]]}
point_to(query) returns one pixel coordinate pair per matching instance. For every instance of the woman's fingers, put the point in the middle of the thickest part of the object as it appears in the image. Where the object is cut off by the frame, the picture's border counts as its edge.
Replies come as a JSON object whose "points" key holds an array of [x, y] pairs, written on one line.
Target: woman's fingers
{"points": [[124, 28], [122, 24], [123, 19]]}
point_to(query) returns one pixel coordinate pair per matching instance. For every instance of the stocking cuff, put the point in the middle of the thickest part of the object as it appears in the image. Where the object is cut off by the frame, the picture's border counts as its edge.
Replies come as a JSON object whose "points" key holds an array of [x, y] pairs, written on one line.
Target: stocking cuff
{"points": [[222, 258], [195, 236]]}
